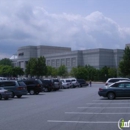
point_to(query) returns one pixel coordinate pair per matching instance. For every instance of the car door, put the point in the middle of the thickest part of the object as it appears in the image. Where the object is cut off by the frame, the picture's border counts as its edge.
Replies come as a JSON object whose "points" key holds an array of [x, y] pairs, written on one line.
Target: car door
{"points": [[10, 85], [127, 89], [119, 89]]}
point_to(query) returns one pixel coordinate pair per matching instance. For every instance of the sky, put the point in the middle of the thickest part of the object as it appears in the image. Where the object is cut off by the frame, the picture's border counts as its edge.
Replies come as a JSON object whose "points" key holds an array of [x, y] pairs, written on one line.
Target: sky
{"points": [[79, 24]]}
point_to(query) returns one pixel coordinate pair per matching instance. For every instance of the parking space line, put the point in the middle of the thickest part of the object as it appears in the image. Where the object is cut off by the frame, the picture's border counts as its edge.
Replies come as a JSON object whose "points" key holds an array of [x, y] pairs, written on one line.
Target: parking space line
{"points": [[101, 107], [85, 113], [83, 122], [107, 103], [114, 100]]}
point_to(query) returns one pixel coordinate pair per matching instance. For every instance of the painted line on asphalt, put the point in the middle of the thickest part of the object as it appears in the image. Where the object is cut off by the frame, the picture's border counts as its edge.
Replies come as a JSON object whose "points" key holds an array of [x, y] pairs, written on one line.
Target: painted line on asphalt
{"points": [[107, 103], [83, 122], [101, 107], [124, 100], [85, 113]]}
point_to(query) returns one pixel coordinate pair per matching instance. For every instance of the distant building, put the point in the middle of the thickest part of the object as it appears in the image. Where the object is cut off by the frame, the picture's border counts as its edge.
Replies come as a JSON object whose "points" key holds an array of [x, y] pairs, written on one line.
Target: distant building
{"points": [[57, 56]]}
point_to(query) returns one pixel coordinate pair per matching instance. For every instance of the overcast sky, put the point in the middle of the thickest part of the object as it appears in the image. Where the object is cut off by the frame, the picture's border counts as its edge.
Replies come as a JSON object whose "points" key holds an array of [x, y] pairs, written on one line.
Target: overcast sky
{"points": [[79, 24]]}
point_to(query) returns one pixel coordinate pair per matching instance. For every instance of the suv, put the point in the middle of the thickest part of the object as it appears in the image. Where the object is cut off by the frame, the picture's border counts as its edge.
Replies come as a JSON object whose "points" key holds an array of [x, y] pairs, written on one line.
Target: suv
{"points": [[47, 85], [74, 82], [34, 86], [64, 83], [18, 88], [82, 82], [56, 83], [113, 80]]}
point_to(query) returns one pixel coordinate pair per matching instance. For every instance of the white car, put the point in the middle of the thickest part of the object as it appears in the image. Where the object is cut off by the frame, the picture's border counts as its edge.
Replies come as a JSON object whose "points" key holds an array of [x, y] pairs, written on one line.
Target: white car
{"points": [[113, 80], [65, 83], [74, 82]]}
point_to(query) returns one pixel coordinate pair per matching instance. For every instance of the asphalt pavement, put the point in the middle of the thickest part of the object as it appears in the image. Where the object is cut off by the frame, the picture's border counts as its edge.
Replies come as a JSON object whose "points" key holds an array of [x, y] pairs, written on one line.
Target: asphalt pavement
{"points": [[66, 109]]}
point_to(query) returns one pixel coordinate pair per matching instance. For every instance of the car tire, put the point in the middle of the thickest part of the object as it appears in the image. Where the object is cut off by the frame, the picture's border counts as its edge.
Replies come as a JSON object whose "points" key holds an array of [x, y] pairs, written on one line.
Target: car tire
{"points": [[0, 97], [36, 93], [12, 95], [31, 92], [6, 98], [19, 96], [111, 95]]}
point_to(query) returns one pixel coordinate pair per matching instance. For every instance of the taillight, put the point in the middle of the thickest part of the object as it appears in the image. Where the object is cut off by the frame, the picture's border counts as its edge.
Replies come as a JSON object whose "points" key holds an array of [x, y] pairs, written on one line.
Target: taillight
{"points": [[100, 89], [20, 88], [38, 85]]}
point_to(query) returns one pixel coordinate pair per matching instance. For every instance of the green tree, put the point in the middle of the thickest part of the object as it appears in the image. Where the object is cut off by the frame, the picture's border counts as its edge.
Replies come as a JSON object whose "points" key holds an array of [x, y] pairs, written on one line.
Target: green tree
{"points": [[62, 71], [112, 72], [6, 70], [6, 61], [41, 66], [36, 67], [17, 71], [124, 65]]}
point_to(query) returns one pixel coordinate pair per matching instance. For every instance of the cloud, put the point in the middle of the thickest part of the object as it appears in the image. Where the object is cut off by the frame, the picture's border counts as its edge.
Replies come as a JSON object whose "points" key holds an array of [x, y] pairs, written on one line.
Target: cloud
{"points": [[24, 24]]}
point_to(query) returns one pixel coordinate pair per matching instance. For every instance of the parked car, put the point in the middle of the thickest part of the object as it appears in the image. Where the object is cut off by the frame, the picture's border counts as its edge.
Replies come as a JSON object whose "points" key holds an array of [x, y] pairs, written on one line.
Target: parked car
{"points": [[18, 88], [47, 85], [34, 86], [74, 82], [64, 84], [113, 80], [56, 83], [82, 82], [117, 89], [5, 94]]}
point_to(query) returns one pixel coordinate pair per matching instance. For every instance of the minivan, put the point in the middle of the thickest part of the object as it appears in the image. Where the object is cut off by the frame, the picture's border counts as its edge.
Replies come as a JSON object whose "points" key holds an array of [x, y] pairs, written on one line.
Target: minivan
{"points": [[18, 88]]}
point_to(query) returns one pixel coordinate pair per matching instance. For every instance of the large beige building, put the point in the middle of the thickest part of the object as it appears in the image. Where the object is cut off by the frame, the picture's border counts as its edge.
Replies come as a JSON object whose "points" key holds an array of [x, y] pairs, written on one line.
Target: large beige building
{"points": [[56, 56]]}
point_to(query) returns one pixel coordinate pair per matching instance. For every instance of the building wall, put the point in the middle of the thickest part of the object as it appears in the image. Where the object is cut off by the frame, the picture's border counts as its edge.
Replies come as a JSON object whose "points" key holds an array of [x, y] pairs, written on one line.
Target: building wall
{"points": [[43, 50], [57, 56], [69, 59], [91, 57]]}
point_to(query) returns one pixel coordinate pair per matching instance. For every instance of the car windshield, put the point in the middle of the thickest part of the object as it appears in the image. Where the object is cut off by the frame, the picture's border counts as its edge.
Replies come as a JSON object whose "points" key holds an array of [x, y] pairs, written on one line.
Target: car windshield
{"points": [[2, 88], [21, 83]]}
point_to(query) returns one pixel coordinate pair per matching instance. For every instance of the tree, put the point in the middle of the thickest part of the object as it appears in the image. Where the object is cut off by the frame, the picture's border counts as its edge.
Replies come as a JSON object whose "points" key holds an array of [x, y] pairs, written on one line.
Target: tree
{"points": [[17, 71], [36, 67], [6, 70], [62, 70], [112, 72], [124, 65], [41, 66], [6, 61]]}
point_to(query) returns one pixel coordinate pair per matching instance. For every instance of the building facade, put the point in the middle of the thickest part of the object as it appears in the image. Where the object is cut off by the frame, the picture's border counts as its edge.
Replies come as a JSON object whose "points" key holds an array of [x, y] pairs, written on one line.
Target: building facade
{"points": [[57, 56]]}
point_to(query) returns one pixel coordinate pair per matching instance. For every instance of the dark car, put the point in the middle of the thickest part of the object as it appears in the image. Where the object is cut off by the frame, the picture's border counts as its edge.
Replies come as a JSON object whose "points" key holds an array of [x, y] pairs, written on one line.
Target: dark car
{"points": [[47, 85], [18, 88], [117, 89], [34, 86], [5, 94], [82, 82], [56, 83]]}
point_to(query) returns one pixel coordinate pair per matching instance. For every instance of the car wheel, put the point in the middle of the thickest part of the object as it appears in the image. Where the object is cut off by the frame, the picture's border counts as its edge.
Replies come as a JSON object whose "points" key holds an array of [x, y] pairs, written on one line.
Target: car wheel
{"points": [[0, 97], [12, 95], [45, 90], [6, 98], [32, 92], [36, 93], [111, 95], [19, 96]]}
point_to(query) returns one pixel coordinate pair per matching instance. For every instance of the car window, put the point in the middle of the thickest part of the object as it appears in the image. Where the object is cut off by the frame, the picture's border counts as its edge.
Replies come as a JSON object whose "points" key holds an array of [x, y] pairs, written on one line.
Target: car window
{"points": [[21, 83], [127, 85], [118, 85], [9, 84]]}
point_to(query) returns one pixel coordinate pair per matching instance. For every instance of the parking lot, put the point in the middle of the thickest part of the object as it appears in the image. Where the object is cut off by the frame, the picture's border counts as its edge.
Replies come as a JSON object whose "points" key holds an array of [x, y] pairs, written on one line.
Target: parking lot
{"points": [[72, 109]]}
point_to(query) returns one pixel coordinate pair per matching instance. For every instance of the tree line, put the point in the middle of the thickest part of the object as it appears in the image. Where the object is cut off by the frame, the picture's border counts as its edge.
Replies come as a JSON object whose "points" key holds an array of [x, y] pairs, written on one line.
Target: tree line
{"points": [[37, 67]]}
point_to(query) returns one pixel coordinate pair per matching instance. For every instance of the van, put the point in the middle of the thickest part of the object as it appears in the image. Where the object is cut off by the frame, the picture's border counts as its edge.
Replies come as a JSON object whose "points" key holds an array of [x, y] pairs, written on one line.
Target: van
{"points": [[18, 88], [113, 80]]}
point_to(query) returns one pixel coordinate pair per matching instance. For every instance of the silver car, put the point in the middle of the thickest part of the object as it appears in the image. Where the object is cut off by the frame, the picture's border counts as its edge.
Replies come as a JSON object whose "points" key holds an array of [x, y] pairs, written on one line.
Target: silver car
{"points": [[5, 94]]}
